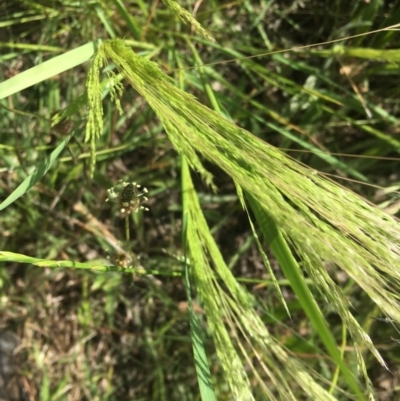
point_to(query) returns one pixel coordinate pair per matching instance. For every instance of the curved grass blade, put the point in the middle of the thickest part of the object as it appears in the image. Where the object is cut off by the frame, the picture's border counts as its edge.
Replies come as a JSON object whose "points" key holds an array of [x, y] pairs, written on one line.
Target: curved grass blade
{"points": [[292, 272], [36, 175]]}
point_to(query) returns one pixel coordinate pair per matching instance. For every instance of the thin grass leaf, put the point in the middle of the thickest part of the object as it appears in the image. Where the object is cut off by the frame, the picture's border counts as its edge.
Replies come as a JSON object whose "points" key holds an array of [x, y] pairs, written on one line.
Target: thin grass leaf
{"points": [[37, 174], [130, 22], [392, 55], [35, 47], [95, 266], [107, 24]]}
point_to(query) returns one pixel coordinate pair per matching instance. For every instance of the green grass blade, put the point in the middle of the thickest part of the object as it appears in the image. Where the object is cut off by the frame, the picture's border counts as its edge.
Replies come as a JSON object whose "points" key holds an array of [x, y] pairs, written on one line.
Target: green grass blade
{"points": [[35, 47], [93, 265], [107, 25], [392, 55], [48, 69], [132, 25], [293, 273], [36, 175]]}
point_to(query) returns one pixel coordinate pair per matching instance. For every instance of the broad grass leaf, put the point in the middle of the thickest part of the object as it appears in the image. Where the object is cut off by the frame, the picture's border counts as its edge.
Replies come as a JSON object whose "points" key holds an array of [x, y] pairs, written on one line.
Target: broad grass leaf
{"points": [[48, 69]]}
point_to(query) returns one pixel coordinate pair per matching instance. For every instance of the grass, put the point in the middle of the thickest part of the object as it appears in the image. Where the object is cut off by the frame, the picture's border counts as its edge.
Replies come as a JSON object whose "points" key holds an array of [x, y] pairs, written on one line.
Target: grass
{"points": [[256, 271]]}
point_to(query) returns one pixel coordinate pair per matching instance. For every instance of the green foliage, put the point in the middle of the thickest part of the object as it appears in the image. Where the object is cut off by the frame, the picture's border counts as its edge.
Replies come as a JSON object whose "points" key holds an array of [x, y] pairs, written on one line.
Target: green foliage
{"points": [[315, 228]]}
